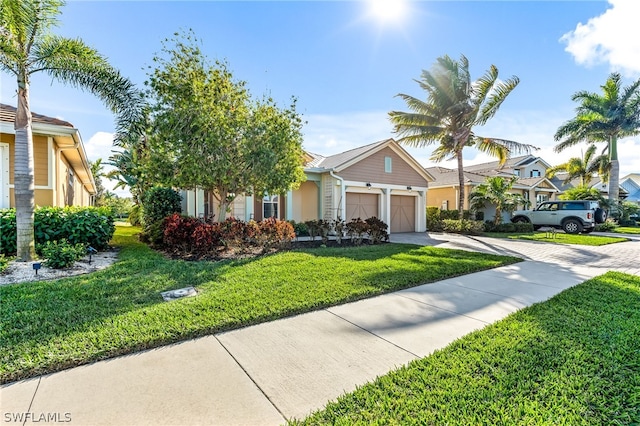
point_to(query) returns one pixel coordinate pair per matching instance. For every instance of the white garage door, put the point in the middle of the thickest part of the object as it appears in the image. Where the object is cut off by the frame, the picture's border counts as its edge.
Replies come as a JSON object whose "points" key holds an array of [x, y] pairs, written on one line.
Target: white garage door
{"points": [[403, 213], [363, 206]]}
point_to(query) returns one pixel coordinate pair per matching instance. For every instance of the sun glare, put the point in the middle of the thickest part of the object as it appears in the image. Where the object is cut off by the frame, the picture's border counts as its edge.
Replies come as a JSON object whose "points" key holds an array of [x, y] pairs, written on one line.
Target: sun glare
{"points": [[391, 11]]}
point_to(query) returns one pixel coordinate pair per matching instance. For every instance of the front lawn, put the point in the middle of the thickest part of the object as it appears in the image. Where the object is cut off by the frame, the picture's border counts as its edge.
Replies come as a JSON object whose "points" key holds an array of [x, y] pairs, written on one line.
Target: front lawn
{"points": [[627, 230], [51, 325], [560, 237], [573, 360]]}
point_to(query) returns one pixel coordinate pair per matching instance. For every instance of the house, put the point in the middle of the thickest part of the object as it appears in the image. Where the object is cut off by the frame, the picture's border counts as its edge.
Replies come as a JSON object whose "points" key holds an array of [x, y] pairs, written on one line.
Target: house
{"points": [[380, 179], [631, 184], [531, 184], [61, 170]]}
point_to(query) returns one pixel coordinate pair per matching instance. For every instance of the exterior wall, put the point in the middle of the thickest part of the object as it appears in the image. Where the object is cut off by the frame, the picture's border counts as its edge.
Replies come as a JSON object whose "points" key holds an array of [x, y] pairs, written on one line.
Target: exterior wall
{"points": [[372, 169], [5, 199], [305, 202], [439, 196], [526, 171]]}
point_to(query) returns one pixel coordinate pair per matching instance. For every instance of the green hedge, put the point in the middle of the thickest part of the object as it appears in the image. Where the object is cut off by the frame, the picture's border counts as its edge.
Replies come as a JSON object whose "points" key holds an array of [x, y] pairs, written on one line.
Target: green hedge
{"points": [[93, 226], [508, 227]]}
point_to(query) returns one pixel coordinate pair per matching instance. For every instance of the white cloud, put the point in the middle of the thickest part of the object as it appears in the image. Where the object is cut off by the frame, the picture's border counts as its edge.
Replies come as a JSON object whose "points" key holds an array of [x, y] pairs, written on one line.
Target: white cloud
{"points": [[613, 37], [100, 145]]}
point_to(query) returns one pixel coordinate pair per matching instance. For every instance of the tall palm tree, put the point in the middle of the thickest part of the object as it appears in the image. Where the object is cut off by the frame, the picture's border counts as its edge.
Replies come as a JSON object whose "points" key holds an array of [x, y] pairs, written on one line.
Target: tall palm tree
{"points": [[26, 47], [604, 118], [495, 191], [454, 105], [583, 168]]}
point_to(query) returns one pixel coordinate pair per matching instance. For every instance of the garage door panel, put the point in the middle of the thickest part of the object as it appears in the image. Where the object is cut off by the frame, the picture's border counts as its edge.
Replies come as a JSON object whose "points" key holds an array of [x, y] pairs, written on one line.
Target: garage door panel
{"points": [[361, 206], [403, 213]]}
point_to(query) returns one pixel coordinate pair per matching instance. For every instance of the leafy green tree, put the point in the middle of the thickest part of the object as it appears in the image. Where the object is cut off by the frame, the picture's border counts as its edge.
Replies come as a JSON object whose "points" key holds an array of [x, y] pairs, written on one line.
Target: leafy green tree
{"points": [[604, 118], [583, 168], [583, 193], [454, 106], [97, 170], [27, 46], [495, 191], [207, 132]]}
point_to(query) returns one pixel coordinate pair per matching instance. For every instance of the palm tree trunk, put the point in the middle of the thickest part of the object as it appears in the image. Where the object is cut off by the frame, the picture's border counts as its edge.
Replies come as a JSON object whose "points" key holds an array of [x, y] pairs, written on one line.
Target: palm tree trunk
{"points": [[23, 177], [461, 184], [614, 177]]}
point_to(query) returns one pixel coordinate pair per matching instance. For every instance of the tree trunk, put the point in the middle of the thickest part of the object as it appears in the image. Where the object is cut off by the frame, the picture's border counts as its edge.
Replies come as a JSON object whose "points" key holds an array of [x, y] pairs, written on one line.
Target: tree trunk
{"points": [[461, 183], [23, 174], [614, 177]]}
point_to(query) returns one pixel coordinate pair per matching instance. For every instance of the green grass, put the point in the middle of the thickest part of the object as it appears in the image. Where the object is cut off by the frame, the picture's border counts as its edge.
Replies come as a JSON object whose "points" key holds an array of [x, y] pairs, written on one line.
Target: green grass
{"points": [[562, 238], [627, 230], [573, 360], [48, 326]]}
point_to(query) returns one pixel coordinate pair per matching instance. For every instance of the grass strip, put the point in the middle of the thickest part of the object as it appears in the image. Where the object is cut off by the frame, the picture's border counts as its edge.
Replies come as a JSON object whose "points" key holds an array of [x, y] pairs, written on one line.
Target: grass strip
{"points": [[572, 360], [627, 230], [51, 325], [560, 238]]}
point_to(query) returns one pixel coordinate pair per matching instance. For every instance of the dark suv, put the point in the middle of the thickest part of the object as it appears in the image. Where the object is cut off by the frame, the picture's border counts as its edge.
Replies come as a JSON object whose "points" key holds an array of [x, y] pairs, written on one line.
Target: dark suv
{"points": [[573, 216]]}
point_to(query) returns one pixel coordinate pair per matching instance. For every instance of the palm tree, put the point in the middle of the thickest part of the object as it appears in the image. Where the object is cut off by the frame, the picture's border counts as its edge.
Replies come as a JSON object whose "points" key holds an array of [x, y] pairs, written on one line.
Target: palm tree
{"points": [[604, 118], [583, 168], [495, 190], [454, 105], [26, 47]]}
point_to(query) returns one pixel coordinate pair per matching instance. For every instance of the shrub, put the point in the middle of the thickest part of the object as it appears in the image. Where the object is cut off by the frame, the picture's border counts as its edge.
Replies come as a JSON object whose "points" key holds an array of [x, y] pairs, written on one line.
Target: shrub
{"points": [[434, 222], [274, 232], [377, 230], [92, 226], [300, 228], [233, 233], [449, 214], [464, 226], [4, 262], [177, 231], [629, 222], [508, 227], [205, 238], [61, 254], [135, 215], [158, 203], [356, 230], [607, 226]]}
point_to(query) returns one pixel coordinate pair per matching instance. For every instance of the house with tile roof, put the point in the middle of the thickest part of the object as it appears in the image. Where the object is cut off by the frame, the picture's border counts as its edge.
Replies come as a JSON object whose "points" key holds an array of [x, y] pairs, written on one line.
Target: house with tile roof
{"points": [[61, 169], [380, 179], [531, 184]]}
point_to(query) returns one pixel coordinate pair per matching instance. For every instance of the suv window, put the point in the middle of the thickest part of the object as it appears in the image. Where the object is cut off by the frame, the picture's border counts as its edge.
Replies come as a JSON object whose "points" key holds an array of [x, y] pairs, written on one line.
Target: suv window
{"points": [[548, 207], [573, 205]]}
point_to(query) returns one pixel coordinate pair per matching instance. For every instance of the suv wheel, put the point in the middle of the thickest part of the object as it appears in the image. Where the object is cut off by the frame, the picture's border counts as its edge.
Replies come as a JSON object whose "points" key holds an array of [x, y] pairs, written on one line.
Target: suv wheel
{"points": [[572, 226]]}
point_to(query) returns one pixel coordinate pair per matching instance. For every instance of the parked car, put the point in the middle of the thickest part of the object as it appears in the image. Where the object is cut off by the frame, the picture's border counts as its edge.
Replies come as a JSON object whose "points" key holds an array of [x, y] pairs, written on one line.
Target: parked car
{"points": [[572, 216]]}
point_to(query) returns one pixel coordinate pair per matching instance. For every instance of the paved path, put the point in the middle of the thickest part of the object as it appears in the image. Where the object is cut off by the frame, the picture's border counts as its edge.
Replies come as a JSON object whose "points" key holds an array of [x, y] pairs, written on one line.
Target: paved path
{"points": [[265, 374]]}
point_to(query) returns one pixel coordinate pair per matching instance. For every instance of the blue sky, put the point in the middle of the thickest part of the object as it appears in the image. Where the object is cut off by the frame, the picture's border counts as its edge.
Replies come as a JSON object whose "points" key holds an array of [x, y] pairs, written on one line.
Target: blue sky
{"points": [[345, 64]]}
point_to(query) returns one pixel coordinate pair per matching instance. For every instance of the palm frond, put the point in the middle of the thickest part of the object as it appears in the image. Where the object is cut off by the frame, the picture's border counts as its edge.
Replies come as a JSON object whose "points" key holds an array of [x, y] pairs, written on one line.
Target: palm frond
{"points": [[497, 96]]}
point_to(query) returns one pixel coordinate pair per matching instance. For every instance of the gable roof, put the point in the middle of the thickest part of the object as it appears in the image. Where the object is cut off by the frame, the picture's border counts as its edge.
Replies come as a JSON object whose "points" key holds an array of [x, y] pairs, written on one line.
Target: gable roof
{"points": [[341, 161], [449, 177], [510, 163], [8, 114]]}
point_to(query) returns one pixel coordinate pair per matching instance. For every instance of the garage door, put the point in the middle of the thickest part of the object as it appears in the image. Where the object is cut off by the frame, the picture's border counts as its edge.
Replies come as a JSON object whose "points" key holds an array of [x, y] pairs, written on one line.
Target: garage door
{"points": [[403, 213], [363, 206]]}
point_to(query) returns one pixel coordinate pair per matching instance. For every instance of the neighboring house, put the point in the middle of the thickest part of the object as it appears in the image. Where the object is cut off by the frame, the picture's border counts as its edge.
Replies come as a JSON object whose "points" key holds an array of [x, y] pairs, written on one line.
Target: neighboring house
{"points": [[631, 184], [380, 179], [530, 170], [61, 169]]}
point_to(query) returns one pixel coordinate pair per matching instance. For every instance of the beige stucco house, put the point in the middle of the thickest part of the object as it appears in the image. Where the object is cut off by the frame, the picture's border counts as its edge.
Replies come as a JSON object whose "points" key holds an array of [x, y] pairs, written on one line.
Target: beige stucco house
{"points": [[61, 169], [380, 179], [531, 184]]}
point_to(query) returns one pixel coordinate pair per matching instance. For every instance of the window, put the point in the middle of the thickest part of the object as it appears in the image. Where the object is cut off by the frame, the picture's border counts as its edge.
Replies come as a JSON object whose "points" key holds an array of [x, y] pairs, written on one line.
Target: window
{"points": [[516, 172], [541, 198], [534, 173], [270, 206], [387, 164]]}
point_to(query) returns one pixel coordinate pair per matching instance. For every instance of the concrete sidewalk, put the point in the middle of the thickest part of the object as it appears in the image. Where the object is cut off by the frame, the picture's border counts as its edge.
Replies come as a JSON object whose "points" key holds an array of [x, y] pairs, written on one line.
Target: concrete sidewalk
{"points": [[285, 369]]}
